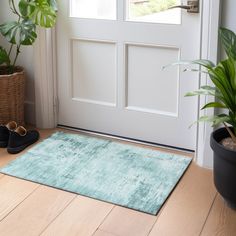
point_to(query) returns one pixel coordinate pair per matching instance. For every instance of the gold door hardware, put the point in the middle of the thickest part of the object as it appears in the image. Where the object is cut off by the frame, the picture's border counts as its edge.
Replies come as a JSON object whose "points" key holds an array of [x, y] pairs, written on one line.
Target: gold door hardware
{"points": [[191, 7]]}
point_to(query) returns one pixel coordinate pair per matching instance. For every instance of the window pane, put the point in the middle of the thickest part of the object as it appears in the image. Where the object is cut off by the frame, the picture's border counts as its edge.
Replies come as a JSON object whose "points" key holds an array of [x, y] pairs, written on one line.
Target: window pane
{"points": [[97, 9], [154, 11]]}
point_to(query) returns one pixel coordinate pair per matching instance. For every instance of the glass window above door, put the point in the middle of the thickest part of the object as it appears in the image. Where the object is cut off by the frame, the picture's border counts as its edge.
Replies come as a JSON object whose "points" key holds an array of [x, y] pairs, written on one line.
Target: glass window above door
{"points": [[155, 11], [95, 9]]}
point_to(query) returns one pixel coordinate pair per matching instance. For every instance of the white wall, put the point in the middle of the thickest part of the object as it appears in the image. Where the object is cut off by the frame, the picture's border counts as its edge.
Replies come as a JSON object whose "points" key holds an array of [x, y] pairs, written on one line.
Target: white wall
{"points": [[26, 60], [229, 14]]}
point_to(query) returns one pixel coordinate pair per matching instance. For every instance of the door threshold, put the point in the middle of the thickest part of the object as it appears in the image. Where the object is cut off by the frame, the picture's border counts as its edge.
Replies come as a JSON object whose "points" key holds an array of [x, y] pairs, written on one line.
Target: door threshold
{"points": [[137, 141]]}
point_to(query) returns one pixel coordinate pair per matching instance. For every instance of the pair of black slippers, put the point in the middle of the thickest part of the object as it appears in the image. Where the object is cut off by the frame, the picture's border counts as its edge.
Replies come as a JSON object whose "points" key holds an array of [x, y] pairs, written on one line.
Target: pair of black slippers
{"points": [[16, 138]]}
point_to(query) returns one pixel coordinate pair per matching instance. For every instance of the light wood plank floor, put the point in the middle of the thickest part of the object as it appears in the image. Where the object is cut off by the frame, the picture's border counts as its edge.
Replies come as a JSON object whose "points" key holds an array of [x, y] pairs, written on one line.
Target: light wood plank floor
{"points": [[194, 208]]}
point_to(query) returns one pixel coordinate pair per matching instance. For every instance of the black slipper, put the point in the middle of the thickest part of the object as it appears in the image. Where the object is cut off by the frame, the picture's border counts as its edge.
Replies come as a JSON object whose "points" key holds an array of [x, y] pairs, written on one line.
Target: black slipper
{"points": [[21, 139], [5, 132]]}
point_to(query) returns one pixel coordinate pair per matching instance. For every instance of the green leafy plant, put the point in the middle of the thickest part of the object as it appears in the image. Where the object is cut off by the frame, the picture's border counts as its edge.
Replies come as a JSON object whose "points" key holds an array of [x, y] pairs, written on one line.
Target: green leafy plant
{"points": [[223, 76], [29, 14]]}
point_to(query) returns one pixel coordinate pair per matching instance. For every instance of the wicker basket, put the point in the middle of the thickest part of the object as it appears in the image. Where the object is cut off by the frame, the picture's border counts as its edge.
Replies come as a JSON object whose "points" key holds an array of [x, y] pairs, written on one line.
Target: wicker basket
{"points": [[12, 91]]}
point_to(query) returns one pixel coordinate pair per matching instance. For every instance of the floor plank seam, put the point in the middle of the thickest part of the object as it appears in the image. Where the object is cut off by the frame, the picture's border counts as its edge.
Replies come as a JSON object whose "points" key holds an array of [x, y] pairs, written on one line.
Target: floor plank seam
{"points": [[19, 204], [157, 217], [105, 231], [104, 220], [46, 227], [213, 202], [163, 207]]}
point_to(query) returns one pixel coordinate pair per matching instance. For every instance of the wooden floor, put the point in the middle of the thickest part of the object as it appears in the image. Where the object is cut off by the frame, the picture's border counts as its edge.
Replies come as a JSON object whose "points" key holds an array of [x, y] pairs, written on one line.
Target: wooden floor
{"points": [[194, 208]]}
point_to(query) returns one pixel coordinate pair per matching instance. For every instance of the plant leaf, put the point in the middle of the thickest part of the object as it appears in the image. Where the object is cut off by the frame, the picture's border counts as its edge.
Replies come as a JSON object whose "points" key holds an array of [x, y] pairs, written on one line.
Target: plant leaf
{"points": [[22, 32], [41, 12], [229, 66], [53, 5], [214, 105], [221, 85], [4, 58], [228, 39], [215, 120], [195, 70], [207, 87], [203, 91], [205, 63]]}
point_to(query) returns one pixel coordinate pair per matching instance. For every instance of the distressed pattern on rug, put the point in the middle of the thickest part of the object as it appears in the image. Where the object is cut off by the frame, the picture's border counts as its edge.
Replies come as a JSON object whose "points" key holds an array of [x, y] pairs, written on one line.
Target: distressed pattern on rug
{"points": [[122, 174]]}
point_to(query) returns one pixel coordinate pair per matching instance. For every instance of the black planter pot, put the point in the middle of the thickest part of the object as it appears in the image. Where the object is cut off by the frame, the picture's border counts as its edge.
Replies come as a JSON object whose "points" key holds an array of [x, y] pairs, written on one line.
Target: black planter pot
{"points": [[224, 167]]}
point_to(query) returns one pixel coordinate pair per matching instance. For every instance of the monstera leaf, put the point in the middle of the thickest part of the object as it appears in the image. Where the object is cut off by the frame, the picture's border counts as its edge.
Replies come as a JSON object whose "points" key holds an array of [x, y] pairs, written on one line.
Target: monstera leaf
{"points": [[20, 33], [4, 58], [53, 4], [41, 12]]}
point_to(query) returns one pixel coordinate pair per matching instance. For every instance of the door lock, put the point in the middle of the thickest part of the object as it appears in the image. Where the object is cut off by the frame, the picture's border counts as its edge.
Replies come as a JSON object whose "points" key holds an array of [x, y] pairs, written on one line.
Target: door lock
{"points": [[191, 7]]}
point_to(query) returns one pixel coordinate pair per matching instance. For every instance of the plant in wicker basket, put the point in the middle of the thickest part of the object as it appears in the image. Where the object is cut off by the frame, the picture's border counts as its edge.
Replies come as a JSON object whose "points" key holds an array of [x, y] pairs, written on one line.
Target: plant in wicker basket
{"points": [[20, 32]]}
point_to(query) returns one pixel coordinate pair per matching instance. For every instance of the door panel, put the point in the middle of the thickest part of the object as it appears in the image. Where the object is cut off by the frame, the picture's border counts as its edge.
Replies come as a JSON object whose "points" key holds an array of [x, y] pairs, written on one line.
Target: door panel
{"points": [[145, 76], [92, 80], [110, 76]]}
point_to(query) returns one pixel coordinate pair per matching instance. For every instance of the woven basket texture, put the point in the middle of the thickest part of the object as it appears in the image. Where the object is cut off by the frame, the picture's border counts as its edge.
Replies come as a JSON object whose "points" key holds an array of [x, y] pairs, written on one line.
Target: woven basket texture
{"points": [[12, 96]]}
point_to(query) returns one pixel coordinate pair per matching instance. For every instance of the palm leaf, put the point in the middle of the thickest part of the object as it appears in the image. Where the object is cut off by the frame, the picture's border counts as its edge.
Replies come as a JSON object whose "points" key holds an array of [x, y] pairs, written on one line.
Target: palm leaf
{"points": [[205, 63], [213, 105], [228, 39], [215, 120], [195, 70], [225, 93], [208, 87], [204, 90], [229, 66]]}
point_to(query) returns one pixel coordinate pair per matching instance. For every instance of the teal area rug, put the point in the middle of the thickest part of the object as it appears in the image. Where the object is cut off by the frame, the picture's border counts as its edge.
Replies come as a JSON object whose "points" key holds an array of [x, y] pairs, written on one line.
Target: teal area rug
{"points": [[126, 175]]}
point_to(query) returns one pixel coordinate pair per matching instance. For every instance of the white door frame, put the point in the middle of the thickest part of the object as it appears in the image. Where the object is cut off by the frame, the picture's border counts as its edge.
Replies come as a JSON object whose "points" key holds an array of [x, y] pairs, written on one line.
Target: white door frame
{"points": [[46, 100], [211, 14]]}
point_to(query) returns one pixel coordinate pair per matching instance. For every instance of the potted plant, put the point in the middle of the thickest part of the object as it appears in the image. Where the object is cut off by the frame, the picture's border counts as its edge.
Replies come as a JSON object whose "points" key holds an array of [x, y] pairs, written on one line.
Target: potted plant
{"points": [[223, 140], [20, 32]]}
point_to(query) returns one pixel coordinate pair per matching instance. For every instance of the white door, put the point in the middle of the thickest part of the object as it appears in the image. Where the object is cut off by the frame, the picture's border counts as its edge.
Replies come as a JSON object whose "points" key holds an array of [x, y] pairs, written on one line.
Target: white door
{"points": [[110, 77]]}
